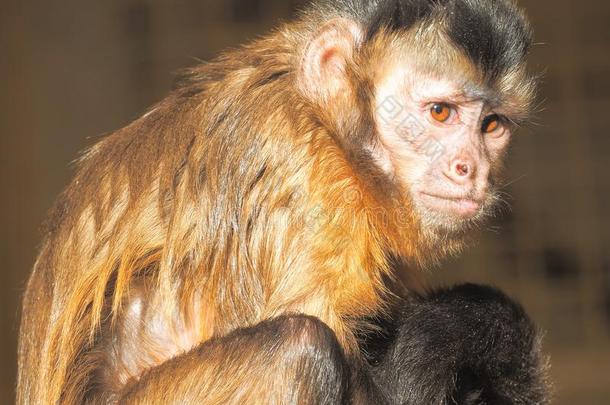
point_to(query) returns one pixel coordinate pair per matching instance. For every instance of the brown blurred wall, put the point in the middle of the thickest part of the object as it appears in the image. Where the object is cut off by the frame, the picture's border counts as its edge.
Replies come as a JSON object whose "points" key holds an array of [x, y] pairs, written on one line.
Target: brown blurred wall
{"points": [[71, 71]]}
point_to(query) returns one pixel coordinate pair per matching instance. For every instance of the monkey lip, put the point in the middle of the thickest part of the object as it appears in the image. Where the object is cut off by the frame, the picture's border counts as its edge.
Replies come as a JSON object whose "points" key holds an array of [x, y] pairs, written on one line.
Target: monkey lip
{"points": [[462, 206]]}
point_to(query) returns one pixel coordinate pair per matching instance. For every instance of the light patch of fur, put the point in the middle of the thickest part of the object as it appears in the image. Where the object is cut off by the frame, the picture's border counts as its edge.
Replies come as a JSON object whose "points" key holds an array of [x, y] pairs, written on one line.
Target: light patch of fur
{"points": [[144, 337]]}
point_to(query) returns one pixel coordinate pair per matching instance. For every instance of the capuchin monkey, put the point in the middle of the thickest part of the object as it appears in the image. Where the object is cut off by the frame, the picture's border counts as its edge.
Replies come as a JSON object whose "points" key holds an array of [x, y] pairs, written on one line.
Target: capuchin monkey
{"points": [[228, 246]]}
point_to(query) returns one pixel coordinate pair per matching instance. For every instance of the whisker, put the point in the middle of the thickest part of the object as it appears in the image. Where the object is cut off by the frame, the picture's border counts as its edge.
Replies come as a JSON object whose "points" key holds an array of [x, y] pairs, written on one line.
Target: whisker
{"points": [[513, 181]]}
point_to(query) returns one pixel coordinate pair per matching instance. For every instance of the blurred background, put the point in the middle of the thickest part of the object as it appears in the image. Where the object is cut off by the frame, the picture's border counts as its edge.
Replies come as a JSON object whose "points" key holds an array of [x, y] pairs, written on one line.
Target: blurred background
{"points": [[72, 71]]}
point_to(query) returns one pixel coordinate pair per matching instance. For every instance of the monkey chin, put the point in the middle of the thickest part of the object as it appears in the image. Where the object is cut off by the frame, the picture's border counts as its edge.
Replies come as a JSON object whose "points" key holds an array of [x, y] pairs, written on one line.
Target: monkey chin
{"points": [[450, 224]]}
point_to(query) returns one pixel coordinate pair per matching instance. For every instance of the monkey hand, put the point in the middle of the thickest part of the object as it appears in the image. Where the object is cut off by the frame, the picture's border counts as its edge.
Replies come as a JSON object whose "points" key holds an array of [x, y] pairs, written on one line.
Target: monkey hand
{"points": [[466, 345]]}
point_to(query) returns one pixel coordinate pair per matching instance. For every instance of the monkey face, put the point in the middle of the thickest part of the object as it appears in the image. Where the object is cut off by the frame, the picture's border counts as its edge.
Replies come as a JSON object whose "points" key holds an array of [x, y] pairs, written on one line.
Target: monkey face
{"points": [[442, 141], [442, 122]]}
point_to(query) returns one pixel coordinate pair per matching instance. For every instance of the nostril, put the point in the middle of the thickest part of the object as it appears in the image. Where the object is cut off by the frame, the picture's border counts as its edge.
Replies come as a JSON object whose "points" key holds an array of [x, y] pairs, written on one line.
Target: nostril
{"points": [[462, 169]]}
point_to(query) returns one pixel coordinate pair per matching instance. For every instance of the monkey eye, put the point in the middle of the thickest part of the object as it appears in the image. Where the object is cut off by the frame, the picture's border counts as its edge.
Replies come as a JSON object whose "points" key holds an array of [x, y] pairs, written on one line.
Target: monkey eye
{"points": [[441, 112], [492, 124]]}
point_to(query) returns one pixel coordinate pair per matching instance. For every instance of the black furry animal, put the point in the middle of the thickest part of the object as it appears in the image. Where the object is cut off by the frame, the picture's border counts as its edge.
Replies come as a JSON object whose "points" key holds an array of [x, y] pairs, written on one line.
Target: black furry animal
{"points": [[466, 345]]}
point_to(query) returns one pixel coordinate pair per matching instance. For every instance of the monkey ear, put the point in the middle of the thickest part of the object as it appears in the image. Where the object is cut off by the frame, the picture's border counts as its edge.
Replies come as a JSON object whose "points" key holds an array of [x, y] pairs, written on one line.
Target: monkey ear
{"points": [[322, 72]]}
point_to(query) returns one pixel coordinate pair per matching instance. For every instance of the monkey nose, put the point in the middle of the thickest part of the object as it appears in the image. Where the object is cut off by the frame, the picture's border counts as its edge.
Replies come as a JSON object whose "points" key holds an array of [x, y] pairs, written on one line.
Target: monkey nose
{"points": [[461, 170]]}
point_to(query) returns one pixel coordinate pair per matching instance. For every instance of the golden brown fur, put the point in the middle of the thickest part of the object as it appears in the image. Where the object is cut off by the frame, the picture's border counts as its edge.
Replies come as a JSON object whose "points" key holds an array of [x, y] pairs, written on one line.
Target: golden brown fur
{"points": [[229, 203]]}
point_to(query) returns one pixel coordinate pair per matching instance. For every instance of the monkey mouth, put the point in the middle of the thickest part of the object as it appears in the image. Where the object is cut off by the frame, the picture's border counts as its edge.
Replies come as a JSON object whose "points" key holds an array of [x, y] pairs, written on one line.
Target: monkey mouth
{"points": [[463, 207]]}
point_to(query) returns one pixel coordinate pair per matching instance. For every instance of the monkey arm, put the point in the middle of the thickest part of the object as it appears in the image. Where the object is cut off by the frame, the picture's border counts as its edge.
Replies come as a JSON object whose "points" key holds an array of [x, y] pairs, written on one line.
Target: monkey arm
{"points": [[466, 345], [290, 359]]}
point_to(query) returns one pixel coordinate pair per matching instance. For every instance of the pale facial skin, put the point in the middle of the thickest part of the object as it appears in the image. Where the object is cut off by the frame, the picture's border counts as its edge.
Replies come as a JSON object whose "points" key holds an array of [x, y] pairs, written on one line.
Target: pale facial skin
{"points": [[440, 142]]}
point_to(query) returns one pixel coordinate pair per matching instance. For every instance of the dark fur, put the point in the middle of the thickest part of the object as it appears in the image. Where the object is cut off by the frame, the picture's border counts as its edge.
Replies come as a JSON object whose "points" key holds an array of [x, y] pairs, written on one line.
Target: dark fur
{"points": [[494, 34], [466, 345], [314, 368]]}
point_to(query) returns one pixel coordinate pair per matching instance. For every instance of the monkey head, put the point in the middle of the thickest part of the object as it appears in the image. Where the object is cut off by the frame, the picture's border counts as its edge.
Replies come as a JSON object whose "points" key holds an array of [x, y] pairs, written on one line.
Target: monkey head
{"points": [[439, 87]]}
